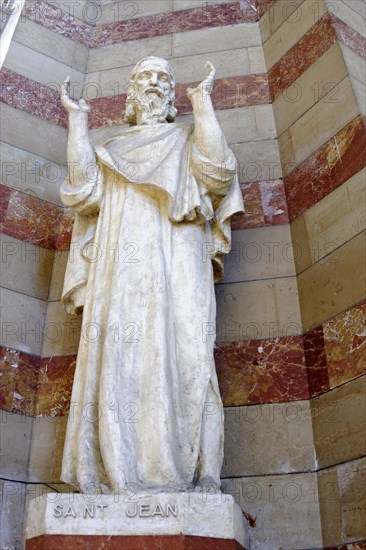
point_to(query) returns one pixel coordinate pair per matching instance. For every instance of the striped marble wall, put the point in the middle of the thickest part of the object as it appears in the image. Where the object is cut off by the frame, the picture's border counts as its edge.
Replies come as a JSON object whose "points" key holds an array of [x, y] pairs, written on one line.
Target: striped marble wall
{"points": [[314, 53], [35, 230], [290, 339]]}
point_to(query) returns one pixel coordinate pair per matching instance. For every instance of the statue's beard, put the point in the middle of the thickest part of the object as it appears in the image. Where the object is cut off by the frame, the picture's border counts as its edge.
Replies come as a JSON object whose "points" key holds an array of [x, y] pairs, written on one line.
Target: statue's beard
{"points": [[152, 107]]}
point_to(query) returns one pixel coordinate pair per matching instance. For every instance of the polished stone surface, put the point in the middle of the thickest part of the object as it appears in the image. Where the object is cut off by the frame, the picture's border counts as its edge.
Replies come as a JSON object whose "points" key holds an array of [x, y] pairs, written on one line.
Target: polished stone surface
{"points": [[157, 542], [335, 162], [33, 220]]}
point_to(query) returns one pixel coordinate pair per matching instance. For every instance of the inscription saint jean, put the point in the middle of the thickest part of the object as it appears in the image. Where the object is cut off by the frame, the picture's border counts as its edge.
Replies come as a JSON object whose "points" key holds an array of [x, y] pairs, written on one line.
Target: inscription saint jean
{"points": [[140, 509]]}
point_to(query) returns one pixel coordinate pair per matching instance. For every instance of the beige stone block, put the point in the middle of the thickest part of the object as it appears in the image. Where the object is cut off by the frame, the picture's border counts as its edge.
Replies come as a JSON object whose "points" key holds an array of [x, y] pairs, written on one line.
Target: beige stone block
{"points": [[277, 14], [247, 124], [256, 60], [228, 63], [327, 117], [61, 331], [331, 222], [128, 53], [333, 284], [352, 484], [260, 253], [258, 160], [300, 243], [360, 93], [22, 320], [342, 501], [186, 69], [321, 77], [58, 275], [348, 15], [213, 39], [12, 514], [48, 436], [124, 10], [292, 29], [257, 309], [31, 174], [356, 65], [268, 439], [338, 217], [339, 423], [42, 68], [25, 267], [33, 134], [51, 44], [284, 508], [330, 509], [16, 430], [358, 6]]}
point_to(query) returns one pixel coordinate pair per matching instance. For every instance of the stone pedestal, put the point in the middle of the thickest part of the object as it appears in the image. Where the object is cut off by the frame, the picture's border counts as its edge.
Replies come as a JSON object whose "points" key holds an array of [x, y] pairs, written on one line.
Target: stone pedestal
{"points": [[164, 521]]}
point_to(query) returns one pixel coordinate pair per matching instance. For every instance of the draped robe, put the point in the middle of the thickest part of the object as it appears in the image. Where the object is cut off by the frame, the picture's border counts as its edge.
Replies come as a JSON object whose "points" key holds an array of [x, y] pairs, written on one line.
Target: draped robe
{"points": [[150, 232]]}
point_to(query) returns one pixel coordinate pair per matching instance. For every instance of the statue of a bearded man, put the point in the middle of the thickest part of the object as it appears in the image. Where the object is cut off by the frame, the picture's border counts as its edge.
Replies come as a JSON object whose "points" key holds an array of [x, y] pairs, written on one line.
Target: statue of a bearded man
{"points": [[153, 207]]}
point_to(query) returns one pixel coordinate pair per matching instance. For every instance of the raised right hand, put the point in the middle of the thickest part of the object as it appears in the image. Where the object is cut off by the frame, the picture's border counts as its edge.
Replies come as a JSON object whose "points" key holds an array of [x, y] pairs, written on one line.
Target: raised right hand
{"points": [[70, 105]]}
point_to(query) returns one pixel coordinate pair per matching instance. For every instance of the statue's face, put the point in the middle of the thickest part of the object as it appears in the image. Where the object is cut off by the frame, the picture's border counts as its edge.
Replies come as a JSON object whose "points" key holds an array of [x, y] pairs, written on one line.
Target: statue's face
{"points": [[152, 88], [150, 95], [153, 78]]}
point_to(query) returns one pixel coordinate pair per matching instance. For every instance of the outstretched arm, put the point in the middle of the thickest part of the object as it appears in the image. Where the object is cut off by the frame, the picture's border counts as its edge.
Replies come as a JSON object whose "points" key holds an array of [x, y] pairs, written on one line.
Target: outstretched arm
{"points": [[208, 136], [80, 153]]}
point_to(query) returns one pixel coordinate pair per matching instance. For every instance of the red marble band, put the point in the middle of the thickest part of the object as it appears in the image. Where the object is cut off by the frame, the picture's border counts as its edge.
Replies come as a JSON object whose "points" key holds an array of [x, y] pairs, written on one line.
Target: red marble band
{"points": [[349, 37], [50, 15], [301, 56], [36, 221], [35, 386], [37, 99], [214, 15], [272, 370], [228, 93], [309, 48], [33, 220], [265, 204], [293, 368], [156, 542], [327, 168], [263, 6], [275, 202], [27, 95]]}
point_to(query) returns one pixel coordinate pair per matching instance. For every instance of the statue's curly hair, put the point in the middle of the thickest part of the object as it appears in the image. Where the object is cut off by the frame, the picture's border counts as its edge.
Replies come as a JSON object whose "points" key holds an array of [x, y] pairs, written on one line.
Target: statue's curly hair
{"points": [[130, 112]]}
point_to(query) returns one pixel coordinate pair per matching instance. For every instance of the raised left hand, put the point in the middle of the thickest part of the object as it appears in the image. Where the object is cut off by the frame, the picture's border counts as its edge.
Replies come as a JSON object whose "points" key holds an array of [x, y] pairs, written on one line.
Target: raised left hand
{"points": [[205, 87]]}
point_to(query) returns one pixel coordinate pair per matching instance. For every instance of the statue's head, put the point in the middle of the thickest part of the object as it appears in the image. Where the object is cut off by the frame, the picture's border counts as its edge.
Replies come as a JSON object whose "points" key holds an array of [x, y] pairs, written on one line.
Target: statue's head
{"points": [[151, 92]]}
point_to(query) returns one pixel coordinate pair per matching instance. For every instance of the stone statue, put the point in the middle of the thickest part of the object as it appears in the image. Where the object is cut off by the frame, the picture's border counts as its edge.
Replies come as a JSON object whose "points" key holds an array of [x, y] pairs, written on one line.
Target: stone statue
{"points": [[153, 207]]}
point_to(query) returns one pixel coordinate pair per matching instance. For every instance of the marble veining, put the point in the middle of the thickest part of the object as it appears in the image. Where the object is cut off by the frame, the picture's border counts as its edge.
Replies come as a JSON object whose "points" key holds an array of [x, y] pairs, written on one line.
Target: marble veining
{"points": [[348, 36], [33, 220], [27, 95], [37, 99], [173, 22], [250, 372], [345, 345], [262, 371], [19, 377], [331, 165], [59, 21], [301, 56]]}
